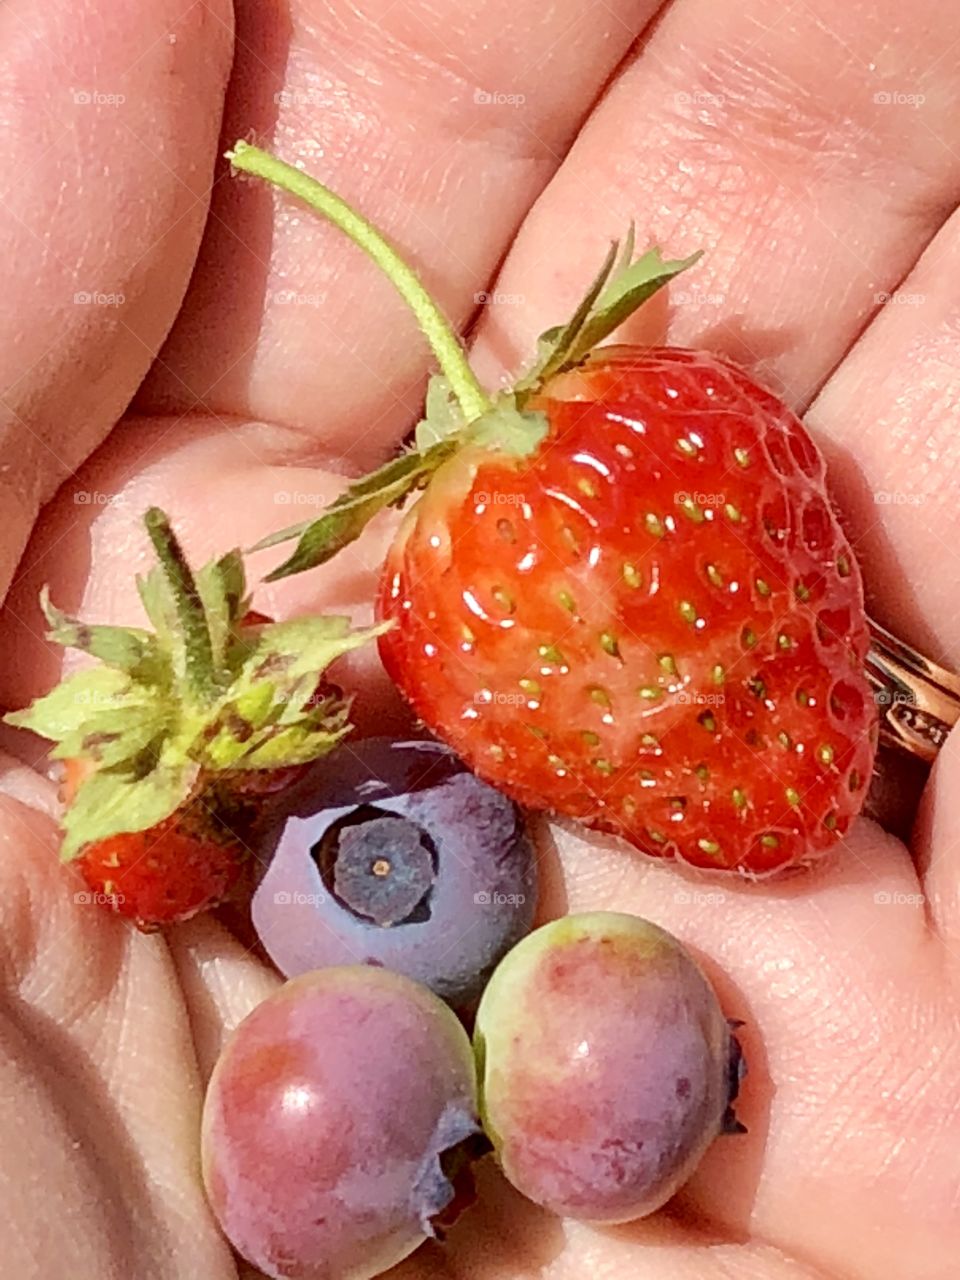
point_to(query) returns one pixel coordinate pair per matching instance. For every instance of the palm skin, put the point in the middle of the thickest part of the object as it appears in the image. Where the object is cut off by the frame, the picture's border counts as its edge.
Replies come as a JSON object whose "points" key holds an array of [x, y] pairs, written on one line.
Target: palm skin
{"points": [[794, 147]]}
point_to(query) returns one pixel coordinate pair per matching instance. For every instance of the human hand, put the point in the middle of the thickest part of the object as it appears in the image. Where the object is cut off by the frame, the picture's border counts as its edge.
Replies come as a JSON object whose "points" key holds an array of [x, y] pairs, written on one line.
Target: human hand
{"points": [[762, 136]]}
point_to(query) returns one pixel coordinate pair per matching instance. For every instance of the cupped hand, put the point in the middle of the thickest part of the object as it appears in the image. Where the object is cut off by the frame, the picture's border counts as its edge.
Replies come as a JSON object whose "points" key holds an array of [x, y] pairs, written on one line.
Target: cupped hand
{"points": [[809, 149]]}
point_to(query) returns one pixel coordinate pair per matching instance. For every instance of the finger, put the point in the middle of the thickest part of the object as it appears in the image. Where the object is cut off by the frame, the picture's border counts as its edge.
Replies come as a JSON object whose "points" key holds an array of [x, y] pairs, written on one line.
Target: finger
{"points": [[661, 1248], [109, 121], [221, 981], [98, 1070], [441, 124], [762, 136], [937, 849], [839, 983], [894, 461], [888, 417]]}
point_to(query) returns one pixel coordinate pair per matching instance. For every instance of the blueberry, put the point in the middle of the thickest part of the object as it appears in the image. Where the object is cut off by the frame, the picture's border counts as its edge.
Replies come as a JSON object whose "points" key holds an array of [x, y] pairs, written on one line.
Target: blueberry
{"points": [[394, 854], [339, 1125], [606, 1066]]}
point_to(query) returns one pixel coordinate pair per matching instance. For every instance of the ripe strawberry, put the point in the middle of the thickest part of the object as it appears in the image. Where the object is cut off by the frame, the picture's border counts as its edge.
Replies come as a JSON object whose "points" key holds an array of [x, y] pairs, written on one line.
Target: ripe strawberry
{"points": [[163, 875], [624, 595], [652, 623], [180, 731]]}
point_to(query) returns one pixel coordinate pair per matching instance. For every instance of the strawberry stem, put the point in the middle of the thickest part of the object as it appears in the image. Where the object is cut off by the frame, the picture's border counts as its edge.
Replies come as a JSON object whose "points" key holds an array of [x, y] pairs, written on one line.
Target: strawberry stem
{"points": [[198, 646], [446, 345]]}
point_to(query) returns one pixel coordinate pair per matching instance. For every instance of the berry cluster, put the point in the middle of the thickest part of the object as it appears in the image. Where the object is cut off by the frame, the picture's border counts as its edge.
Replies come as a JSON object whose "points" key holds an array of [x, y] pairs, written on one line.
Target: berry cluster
{"points": [[343, 1115], [620, 594]]}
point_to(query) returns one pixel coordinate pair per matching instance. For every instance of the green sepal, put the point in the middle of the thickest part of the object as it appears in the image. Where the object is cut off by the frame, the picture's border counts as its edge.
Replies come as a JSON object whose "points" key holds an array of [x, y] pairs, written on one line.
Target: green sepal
{"points": [[619, 288], [74, 704], [344, 520], [129, 649], [158, 604], [271, 699], [109, 803], [300, 743], [118, 738], [555, 343], [442, 417], [222, 586], [626, 291], [504, 428]]}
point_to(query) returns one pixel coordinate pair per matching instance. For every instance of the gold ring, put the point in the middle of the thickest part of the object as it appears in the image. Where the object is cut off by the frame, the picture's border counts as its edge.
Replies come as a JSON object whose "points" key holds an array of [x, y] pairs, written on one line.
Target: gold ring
{"points": [[918, 702]]}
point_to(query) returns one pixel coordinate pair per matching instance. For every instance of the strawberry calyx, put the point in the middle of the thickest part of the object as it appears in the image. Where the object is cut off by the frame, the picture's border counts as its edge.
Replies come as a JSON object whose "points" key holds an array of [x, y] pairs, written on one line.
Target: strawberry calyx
{"points": [[204, 693], [622, 285], [458, 413]]}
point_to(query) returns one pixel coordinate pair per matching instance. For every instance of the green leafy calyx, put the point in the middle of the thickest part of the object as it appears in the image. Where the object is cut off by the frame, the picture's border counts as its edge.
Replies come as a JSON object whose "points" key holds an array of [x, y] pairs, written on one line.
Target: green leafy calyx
{"points": [[622, 285], [207, 690], [503, 428]]}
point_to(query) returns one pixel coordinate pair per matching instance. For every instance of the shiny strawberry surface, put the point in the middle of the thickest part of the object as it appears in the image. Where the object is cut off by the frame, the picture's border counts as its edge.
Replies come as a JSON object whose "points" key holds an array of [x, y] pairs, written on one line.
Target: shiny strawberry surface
{"points": [[653, 623]]}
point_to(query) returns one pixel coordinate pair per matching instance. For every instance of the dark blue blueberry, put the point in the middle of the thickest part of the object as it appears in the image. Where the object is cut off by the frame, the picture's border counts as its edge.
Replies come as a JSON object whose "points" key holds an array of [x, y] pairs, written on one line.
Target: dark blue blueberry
{"points": [[394, 854]]}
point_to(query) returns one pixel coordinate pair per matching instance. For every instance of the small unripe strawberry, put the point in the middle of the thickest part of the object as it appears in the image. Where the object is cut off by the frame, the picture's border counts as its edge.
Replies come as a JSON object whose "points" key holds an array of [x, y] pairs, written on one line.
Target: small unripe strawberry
{"points": [[178, 729]]}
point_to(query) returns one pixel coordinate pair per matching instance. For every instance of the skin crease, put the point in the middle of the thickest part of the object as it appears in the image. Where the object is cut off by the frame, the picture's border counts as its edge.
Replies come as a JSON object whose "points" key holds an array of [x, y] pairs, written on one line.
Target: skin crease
{"points": [[754, 132]]}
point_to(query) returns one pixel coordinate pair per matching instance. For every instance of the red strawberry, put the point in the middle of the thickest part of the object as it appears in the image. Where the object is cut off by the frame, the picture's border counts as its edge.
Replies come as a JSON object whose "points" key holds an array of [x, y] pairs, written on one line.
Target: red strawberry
{"points": [[163, 875], [652, 623], [181, 731], [624, 596]]}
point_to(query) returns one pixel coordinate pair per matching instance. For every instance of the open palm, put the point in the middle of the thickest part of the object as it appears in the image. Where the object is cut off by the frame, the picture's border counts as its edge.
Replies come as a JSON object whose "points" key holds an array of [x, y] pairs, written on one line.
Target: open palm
{"points": [[809, 149]]}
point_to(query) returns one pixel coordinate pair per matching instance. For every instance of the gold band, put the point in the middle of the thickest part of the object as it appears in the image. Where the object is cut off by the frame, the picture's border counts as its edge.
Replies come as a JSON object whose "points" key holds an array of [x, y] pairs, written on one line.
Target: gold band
{"points": [[918, 702]]}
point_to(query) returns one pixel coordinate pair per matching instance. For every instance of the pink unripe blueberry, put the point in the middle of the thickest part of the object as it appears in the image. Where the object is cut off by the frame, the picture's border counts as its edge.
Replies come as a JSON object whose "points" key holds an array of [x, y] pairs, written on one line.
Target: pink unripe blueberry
{"points": [[335, 1119], [606, 1066]]}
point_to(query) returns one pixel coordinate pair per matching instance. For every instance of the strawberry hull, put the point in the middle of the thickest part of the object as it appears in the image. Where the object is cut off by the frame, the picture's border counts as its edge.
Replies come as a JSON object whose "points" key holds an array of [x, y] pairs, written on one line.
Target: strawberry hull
{"points": [[652, 623]]}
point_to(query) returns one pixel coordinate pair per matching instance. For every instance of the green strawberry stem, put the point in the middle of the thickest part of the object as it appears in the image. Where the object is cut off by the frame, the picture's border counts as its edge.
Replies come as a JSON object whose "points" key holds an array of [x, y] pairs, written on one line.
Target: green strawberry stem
{"points": [[198, 646], [446, 346], [458, 412]]}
